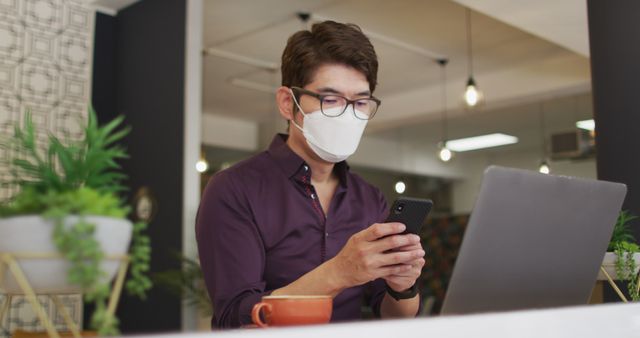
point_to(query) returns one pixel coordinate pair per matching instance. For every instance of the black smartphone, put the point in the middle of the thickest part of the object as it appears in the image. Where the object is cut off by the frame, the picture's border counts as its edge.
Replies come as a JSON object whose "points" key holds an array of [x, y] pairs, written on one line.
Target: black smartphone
{"points": [[411, 212]]}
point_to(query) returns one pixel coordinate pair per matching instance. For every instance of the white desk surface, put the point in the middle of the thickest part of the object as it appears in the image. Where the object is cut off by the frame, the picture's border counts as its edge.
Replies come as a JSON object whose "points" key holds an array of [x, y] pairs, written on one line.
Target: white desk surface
{"points": [[617, 320]]}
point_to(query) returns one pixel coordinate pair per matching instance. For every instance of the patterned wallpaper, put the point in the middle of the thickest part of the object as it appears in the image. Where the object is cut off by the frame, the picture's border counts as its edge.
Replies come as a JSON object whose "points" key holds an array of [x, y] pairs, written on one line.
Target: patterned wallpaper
{"points": [[45, 66]]}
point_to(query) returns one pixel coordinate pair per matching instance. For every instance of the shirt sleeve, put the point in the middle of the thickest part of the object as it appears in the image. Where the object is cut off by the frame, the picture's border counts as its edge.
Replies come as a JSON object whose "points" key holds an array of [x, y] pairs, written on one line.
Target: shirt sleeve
{"points": [[231, 252]]}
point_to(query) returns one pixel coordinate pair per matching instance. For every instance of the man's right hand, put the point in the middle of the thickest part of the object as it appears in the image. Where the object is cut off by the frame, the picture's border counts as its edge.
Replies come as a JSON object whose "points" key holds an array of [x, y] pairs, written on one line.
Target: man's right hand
{"points": [[369, 254]]}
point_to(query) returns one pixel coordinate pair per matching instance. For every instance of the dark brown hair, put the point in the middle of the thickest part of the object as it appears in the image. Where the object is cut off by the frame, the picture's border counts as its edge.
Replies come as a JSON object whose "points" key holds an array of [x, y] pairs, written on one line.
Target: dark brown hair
{"points": [[328, 42]]}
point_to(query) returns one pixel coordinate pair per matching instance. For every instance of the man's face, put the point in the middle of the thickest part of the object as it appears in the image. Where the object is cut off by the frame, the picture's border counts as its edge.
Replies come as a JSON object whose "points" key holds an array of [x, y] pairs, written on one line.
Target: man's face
{"points": [[328, 79], [333, 79]]}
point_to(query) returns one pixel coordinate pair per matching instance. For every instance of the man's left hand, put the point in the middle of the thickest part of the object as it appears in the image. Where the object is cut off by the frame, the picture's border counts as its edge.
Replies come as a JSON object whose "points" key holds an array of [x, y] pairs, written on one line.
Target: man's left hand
{"points": [[402, 282]]}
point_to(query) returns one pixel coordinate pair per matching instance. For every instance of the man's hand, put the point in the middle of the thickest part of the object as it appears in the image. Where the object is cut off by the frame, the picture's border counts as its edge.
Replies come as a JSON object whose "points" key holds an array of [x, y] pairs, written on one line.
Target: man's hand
{"points": [[380, 252], [405, 280]]}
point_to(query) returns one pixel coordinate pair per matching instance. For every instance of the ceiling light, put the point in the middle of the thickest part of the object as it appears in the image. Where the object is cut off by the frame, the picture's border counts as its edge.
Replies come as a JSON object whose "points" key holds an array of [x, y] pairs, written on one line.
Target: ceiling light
{"points": [[400, 187], [544, 168], [445, 154], [586, 125], [480, 142], [202, 165], [472, 95]]}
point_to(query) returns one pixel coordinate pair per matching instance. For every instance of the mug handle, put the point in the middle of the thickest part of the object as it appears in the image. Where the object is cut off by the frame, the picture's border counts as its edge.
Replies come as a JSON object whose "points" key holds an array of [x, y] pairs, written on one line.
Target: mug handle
{"points": [[255, 313]]}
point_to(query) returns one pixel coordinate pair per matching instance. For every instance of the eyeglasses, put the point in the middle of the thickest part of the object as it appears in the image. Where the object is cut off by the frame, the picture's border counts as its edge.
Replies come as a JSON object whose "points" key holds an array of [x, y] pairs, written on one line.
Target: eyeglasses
{"points": [[335, 105]]}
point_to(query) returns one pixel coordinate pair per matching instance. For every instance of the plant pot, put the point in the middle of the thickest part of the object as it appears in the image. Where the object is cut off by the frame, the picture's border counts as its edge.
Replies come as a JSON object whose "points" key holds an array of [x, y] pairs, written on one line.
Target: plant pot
{"points": [[34, 234], [609, 264]]}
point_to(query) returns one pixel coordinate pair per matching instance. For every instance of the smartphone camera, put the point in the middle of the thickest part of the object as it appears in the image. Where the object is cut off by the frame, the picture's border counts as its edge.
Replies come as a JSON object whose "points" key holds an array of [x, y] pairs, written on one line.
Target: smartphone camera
{"points": [[399, 208]]}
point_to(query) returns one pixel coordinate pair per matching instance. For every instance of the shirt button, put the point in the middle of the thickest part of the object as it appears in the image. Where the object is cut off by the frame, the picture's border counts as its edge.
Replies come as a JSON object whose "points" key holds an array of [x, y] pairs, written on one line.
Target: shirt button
{"points": [[313, 196], [326, 234]]}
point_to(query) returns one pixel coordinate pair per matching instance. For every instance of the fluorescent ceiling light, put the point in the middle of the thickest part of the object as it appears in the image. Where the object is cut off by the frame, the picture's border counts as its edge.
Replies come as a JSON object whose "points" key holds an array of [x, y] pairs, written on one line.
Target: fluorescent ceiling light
{"points": [[586, 124], [481, 142]]}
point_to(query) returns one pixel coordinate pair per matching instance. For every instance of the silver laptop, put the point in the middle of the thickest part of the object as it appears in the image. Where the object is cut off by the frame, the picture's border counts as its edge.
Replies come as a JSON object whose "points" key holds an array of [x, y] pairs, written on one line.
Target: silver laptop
{"points": [[533, 241]]}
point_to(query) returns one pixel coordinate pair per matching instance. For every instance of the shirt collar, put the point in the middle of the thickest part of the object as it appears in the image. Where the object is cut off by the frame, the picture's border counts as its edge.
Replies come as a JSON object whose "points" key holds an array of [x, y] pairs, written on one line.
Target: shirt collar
{"points": [[292, 164]]}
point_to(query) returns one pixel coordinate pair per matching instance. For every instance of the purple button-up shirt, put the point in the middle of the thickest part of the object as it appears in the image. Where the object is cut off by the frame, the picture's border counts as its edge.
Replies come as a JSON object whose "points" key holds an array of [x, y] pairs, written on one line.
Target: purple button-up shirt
{"points": [[260, 227]]}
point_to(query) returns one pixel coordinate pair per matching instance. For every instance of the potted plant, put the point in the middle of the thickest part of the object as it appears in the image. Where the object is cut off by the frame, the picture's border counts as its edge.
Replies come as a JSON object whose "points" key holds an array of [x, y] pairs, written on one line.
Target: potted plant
{"points": [[622, 259], [68, 202]]}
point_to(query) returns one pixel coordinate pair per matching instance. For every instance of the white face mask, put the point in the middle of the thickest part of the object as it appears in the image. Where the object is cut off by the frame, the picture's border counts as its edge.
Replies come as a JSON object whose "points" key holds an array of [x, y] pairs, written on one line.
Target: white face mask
{"points": [[334, 139]]}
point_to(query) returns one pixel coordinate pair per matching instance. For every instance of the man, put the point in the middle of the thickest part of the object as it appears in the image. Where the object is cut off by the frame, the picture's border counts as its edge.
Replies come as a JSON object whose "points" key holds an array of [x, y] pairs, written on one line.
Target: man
{"points": [[293, 220]]}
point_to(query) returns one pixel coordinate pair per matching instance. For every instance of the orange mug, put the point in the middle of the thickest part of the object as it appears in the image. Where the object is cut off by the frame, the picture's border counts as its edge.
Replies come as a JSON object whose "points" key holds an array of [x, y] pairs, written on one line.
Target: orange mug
{"points": [[292, 310]]}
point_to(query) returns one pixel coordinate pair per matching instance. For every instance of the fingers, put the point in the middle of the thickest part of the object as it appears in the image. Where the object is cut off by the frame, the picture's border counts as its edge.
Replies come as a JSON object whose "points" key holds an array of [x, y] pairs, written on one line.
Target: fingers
{"points": [[404, 276], [400, 257], [413, 270], [367, 254], [394, 270], [409, 247], [397, 241], [379, 230]]}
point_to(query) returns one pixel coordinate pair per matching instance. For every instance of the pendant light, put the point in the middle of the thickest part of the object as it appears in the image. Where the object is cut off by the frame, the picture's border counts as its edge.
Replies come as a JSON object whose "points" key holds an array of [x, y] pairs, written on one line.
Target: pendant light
{"points": [[400, 187], [444, 153], [544, 167], [472, 95]]}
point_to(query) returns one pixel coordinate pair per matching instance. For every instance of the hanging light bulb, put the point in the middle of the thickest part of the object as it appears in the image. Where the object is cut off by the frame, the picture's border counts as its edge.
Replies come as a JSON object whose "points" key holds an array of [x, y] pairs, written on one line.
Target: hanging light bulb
{"points": [[400, 187], [544, 168], [445, 155], [472, 95]]}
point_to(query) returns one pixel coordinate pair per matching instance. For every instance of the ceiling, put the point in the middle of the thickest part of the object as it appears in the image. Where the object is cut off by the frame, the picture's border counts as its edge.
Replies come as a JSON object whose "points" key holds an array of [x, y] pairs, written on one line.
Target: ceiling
{"points": [[525, 53], [516, 65], [562, 22]]}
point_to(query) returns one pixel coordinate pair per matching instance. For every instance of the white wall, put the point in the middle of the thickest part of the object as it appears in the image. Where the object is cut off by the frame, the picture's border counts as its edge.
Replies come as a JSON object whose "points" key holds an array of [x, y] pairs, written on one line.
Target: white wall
{"points": [[222, 131], [466, 190]]}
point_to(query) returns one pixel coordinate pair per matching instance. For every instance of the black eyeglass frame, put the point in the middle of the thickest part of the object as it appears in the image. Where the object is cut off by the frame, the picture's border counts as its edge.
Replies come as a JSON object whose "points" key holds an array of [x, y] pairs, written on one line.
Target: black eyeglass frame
{"points": [[320, 97]]}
